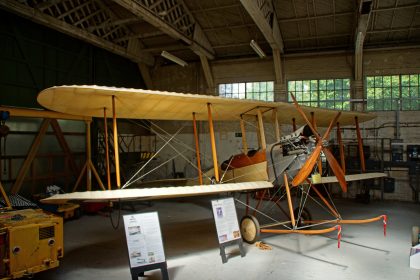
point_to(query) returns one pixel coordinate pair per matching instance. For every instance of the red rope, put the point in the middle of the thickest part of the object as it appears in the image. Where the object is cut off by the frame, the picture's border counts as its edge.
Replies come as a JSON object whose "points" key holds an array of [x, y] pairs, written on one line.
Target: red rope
{"points": [[385, 221], [338, 236]]}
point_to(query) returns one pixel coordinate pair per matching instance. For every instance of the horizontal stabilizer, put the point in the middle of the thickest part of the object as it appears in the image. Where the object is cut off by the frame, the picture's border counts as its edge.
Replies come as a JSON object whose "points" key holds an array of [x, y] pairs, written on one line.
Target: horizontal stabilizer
{"points": [[156, 193], [352, 177]]}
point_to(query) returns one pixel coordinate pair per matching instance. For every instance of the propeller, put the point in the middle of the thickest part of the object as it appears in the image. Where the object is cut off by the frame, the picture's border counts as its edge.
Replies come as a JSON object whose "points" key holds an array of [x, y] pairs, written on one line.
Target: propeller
{"points": [[311, 161]]}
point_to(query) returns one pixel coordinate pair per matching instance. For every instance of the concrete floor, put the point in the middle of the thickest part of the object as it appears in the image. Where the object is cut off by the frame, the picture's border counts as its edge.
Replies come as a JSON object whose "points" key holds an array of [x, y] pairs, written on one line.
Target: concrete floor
{"points": [[94, 250]]}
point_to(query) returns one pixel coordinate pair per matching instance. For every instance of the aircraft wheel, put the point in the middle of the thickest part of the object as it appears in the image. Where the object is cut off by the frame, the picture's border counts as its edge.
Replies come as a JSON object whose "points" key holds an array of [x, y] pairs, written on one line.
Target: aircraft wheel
{"points": [[250, 229], [415, 235], [305, 216]]}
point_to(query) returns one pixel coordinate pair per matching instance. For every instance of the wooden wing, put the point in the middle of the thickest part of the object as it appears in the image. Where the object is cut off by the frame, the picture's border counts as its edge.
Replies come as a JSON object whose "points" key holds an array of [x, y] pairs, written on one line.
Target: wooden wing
{"points": [[161, 105]]}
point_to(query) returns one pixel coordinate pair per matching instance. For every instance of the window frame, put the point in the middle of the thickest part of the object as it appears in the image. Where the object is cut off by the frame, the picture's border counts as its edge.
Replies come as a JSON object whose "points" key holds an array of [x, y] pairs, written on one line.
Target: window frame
{"points": [[399, 92], [329, 93], [256, 90]]}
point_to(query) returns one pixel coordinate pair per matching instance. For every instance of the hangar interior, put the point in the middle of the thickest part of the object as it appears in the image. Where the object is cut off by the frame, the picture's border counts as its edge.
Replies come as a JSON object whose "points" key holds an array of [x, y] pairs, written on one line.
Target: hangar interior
{"points": [[359, 56]]}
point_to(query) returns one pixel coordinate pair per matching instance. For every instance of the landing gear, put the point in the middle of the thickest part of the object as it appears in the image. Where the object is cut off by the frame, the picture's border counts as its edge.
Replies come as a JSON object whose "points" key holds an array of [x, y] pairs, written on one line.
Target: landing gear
{"points": [[415, 235], [250, 229]]}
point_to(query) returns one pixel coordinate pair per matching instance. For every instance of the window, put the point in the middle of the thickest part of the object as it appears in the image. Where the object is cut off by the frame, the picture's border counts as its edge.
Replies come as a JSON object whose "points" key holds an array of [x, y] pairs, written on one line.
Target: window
{"points": [[253, 90], [396, 92], [328, 93]]}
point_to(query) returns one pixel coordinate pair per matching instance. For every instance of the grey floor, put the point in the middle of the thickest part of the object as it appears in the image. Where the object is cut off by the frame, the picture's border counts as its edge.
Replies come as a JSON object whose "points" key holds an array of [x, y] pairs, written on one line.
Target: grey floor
{"points": [[94, 250]]}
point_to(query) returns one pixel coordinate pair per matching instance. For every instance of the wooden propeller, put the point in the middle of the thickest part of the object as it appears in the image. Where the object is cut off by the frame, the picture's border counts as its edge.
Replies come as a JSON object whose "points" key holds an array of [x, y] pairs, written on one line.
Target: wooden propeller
{"points": [[310, 163]]}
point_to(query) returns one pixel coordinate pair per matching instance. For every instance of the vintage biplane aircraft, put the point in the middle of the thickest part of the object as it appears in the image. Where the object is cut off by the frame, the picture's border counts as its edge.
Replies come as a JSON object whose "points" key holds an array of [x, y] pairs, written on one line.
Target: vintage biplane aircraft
{"points": [[266, 172]]}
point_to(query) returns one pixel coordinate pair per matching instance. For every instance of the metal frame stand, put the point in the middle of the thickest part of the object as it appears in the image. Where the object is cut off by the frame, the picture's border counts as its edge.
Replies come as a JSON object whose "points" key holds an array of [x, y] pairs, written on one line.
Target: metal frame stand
{"points": [[137, 272], [233, 242]]}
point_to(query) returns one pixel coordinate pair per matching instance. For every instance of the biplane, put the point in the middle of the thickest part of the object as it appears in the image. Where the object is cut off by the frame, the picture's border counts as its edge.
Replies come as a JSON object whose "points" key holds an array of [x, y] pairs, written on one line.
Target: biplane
{"points": [[294, 165]]}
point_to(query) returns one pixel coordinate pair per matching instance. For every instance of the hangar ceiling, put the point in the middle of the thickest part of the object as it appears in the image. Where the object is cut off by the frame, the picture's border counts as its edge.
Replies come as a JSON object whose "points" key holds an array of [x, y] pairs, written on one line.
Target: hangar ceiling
{"points": [[193, 29]]}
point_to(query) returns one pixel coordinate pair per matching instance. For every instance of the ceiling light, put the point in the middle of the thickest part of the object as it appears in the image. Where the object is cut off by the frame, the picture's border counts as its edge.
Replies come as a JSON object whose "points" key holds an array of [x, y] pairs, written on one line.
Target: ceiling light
{"points": [[173, 58], [257, 49]]}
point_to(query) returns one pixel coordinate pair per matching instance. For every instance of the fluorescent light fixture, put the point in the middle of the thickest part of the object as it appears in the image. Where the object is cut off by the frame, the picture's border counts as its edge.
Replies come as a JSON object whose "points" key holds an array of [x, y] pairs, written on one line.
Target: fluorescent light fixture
{"points": [[173, 58], [257, 49]]}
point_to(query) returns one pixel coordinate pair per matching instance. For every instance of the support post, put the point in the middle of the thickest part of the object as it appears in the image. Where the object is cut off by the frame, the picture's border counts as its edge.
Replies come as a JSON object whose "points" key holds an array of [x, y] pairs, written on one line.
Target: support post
{"points": [[213, 143], [261, 128], [341, 147], [313, 122], [276, 124], [258, 132], [289, 200], [360, 143], [197, 150], [116, 150], [244, 142], [88, 158], [294, 124], [108, 171]]}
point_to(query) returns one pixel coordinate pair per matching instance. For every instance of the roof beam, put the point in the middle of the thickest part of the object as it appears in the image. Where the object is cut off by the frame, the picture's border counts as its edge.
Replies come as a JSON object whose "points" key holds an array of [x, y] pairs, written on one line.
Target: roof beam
{"points": [[207, 73], [177, 23], [319, 37], [76, 32], [364, 12], [410, 6], [316, 17], [264, 16]]}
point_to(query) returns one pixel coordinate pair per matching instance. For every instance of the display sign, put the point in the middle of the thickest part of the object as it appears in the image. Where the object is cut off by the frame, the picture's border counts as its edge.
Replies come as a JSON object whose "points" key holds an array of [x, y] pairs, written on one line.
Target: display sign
{"points": [[227, 225], [144, 239]]}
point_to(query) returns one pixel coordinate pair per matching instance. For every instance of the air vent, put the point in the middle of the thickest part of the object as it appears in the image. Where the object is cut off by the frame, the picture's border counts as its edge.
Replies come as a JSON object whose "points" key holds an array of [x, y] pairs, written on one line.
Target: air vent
{"points": [[46, 232]]}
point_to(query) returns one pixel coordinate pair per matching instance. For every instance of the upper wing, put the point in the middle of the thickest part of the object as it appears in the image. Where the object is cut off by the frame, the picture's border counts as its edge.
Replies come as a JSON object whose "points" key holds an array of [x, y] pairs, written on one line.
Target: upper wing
{"points": [[352, 177], [149, 104], [156, 193]]}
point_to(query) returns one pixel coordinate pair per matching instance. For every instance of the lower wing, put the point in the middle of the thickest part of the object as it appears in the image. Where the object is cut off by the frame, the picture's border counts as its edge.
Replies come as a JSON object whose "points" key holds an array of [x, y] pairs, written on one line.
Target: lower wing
{"points": [[156, 193], [349, 178]]}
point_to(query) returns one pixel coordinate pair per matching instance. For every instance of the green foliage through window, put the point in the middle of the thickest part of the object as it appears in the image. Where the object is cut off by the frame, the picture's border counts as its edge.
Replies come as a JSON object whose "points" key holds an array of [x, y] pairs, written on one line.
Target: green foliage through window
{"points": [[396, 92], [253, 90], [326, 93]]}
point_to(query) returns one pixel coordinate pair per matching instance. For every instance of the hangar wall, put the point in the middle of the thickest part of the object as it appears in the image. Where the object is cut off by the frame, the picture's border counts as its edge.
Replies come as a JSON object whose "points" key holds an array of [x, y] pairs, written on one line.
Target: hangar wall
{"points": [[316, 66], [34, 57]]}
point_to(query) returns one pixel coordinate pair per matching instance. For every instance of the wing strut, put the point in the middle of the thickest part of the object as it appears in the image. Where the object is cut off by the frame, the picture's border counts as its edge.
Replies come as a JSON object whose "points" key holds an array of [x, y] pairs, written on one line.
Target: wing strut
{"points": [[108, 171], [261, 128], [197, 150], [116, 152], [244, 143], [213, 143], [341, 147], [360, 143], [276, 124]]}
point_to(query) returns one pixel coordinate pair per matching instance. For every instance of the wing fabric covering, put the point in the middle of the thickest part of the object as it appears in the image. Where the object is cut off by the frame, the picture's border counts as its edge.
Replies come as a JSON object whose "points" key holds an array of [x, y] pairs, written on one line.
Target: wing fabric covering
{"points": [[157, 193], [90, 100]]}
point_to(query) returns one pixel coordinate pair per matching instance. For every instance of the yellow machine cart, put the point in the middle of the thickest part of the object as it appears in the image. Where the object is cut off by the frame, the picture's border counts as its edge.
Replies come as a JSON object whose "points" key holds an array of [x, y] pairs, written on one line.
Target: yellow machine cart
{"points": [[31, 241]]}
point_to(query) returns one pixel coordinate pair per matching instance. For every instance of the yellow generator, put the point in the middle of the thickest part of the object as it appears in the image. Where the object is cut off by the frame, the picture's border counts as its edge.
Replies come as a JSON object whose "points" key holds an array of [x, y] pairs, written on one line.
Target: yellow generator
{"points": [[31, 241]]}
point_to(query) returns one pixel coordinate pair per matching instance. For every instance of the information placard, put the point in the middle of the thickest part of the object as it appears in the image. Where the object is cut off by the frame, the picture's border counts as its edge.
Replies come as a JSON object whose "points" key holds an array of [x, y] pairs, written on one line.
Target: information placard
{"points": [[144, 239], [227, 225]]}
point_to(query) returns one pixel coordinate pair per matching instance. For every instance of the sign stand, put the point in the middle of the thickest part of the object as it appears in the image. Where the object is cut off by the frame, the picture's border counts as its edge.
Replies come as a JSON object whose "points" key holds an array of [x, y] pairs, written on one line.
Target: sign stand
{"points": [[227, 226], [139, 271], [144, 243], [233, 242]]}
